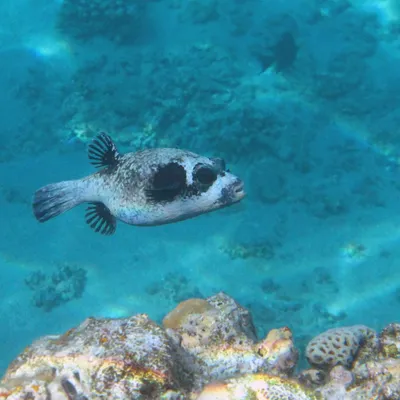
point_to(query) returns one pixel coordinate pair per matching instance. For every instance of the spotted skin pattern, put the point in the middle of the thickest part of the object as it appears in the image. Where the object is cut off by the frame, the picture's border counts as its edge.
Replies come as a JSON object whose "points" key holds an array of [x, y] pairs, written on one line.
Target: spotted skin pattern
{"points": [[145, 188]]}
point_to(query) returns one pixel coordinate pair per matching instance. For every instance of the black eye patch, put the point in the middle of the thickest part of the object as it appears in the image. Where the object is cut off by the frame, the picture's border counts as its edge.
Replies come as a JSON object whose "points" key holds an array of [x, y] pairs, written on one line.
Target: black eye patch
{"points": [[168, 182], [204, 175]]}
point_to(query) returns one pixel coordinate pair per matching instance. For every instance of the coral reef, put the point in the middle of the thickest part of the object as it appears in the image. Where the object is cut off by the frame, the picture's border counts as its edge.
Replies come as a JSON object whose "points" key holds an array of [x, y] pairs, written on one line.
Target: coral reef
{"points": [[256, 386], [206, 350], [354, 363], [50, 291], [203, 341], [112, 358], [339, 346], [117, 20], [390, 341], [220, 336]]}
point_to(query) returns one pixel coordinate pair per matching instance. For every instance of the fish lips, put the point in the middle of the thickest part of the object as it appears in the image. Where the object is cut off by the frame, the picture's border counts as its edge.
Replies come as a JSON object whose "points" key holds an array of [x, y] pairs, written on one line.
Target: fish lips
{"points": [[238, 189], [233, 193]]}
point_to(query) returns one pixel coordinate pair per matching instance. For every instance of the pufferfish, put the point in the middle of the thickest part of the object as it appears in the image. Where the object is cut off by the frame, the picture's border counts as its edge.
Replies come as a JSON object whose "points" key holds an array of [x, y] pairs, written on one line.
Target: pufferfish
{"points": [[145, 188]]}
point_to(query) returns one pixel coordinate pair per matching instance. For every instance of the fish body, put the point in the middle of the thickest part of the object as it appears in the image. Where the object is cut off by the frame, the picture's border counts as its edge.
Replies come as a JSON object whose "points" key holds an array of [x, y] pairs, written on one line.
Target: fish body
{"points": [[145, 188]]}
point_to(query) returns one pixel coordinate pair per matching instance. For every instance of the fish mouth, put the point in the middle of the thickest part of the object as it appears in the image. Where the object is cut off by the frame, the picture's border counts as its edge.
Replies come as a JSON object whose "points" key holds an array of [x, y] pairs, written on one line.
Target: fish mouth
{"points": [[238, 190]]}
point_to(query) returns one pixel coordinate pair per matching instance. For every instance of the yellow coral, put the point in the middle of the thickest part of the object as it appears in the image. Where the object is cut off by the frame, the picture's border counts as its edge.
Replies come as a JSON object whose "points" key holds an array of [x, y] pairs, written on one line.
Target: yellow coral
{"points": [[275, 340], [256, 387], [178, 315]]}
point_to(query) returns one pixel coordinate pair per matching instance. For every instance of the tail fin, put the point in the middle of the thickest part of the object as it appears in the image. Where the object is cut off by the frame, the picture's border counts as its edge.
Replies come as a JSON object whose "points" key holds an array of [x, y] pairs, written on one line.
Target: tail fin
{"points": [[55, 199]]}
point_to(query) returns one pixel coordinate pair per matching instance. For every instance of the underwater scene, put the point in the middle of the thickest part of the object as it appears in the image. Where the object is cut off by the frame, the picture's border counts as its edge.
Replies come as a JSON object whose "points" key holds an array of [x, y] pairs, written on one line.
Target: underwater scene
{"points": [[200, 199]]}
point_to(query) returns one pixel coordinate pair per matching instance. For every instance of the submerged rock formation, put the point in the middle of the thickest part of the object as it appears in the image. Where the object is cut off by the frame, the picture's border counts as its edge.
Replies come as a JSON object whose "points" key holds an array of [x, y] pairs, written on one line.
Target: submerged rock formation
{"points": [[206, 349]]}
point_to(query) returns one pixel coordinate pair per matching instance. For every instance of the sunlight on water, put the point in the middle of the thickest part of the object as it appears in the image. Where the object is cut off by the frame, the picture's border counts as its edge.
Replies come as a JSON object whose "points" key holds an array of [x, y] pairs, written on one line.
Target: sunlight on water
{"points": [[355, 257], [115, 312], [357, 131], [48, 47], [387, 10]]}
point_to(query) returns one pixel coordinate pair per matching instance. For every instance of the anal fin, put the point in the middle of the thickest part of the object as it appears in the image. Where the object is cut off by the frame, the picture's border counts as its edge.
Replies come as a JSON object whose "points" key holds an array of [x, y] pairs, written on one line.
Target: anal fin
{"points": [[100, 219]]}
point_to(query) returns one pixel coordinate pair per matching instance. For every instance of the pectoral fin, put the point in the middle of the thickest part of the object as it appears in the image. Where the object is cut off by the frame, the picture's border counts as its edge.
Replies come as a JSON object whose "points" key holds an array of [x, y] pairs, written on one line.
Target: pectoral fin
{"points": [[100, 219]]}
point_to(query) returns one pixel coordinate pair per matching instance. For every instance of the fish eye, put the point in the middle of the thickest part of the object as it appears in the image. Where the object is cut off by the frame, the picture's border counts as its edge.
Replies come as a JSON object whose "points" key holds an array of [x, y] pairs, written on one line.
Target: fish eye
{"points": [[205, 175]]}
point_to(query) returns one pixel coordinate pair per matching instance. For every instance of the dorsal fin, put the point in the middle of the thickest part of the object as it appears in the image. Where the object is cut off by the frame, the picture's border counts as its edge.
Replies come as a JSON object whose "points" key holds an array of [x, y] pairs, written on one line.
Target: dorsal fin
{"points": [[103, 152]]}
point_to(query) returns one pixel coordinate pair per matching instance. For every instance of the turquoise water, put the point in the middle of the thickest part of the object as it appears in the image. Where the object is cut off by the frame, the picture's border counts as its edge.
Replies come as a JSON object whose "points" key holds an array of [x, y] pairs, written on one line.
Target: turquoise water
{"points": [[300, 98]]}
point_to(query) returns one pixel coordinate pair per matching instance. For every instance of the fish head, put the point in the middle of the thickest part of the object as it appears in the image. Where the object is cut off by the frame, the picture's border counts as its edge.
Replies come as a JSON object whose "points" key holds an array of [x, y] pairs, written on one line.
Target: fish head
{"points": [[218, 185], [191, 185]]}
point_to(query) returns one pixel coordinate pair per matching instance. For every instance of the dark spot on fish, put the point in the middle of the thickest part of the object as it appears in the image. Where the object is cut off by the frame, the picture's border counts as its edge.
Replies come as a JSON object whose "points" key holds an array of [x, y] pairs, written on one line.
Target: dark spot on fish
{"points": [[169, 181], [191, 191]]}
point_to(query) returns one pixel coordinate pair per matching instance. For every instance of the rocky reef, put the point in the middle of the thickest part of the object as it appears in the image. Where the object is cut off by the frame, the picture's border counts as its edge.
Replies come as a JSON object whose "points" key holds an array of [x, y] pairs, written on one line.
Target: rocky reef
{"points": [[205, 349]]}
